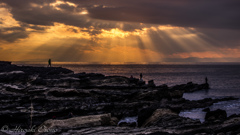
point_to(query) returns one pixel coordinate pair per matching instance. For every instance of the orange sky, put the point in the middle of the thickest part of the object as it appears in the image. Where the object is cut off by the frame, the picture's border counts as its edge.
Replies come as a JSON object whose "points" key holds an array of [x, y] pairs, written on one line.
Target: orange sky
{"points": [[105, 40]]}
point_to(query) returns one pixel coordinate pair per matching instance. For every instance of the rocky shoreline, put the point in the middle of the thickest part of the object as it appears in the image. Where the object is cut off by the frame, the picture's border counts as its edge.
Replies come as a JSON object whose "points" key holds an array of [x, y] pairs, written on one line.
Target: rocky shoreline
{"points": [[41, 100]]}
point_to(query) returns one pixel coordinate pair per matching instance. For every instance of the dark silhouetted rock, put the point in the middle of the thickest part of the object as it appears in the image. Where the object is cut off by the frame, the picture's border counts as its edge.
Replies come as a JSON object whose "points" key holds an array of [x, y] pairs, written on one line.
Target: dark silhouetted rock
{"points": [[145, 113], [206, 110], [5, 63], [56, 92], [151, 83], [217, 115], [157, 114]]}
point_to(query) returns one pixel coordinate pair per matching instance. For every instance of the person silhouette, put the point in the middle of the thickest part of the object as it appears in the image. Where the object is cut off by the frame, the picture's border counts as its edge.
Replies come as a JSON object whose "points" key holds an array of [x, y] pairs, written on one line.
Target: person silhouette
{"points": [[206, 80], [141, 77], [49, 63]]}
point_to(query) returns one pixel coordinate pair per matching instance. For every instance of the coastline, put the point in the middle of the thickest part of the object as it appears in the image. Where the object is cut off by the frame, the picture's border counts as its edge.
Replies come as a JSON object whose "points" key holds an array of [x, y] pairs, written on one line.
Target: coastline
{"points": [[59, 95]]}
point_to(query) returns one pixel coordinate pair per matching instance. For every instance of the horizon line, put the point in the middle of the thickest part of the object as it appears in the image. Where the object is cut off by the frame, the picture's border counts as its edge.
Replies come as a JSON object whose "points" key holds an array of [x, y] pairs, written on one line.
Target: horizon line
{"points": [[118, 63]]}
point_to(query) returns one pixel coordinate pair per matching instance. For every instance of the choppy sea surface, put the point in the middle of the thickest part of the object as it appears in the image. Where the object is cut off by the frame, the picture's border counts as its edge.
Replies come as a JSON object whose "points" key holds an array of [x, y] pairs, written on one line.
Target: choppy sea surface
{"points": [[224, 80]]}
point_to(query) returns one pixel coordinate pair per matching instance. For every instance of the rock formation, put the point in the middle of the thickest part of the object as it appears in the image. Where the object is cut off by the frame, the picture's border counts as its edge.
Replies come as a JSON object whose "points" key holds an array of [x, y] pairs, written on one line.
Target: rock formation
{"points": [[56, 98]]}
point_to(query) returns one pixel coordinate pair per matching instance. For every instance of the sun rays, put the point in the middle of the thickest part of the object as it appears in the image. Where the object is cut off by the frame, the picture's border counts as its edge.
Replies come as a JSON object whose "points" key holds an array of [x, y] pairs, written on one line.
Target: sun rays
{"points": [[150, 44], [105, 41]]}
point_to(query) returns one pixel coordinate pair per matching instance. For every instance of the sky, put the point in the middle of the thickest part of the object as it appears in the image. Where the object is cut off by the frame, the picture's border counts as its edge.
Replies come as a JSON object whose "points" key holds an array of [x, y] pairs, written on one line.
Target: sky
{"points": [[120, 31]]}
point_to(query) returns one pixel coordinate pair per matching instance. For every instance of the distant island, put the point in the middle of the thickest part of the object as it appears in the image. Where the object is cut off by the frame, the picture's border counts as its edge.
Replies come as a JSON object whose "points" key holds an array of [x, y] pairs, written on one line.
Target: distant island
{"points": [[48, 100]]}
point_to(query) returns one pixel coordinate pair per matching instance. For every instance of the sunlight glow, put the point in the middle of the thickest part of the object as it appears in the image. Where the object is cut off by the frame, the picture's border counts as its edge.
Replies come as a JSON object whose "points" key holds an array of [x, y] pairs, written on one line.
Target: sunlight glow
{"points": [[114, 33], [60, 2], [93, 44], [6, 18], [84, 12]]}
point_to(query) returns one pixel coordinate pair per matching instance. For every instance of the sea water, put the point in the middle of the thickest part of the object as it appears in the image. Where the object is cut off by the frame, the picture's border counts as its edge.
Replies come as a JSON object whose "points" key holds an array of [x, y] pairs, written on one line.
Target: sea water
{"points": [[224, 80]]}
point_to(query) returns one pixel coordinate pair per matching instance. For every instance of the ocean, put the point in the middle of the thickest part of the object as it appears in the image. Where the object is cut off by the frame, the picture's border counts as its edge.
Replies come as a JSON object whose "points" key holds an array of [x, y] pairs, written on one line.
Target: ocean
{"points": [[224, 80]]}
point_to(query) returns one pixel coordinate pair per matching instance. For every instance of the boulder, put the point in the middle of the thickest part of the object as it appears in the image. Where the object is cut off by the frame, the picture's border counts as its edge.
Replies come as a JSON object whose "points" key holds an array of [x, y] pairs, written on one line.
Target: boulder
{"points": [[156, 115], [176, 94], [114, 121], [217, 115], [75, 122], [141, 83], [151, 83], [144, 114]]}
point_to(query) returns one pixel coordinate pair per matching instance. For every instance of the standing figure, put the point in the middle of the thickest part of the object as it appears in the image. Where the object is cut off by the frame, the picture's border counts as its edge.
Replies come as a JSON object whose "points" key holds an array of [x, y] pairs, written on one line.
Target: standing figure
{"points": [[49, 63], [141, 77], [206, 80]]}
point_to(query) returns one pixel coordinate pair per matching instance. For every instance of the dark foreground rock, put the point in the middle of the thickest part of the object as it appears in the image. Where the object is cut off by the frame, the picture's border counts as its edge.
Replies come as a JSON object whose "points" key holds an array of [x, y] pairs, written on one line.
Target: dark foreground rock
{"points": [[165, 124], [217, 115], [52, 126], [89, 103]]}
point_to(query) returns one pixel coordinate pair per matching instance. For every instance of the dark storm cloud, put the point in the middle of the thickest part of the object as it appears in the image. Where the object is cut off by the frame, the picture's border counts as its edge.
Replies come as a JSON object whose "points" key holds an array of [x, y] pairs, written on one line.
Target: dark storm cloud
{"points": [[67, 7], [206, 15], [186, 13], [47, 15], [221, 37], [14, 34], [24, 4], [195, 59]]}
